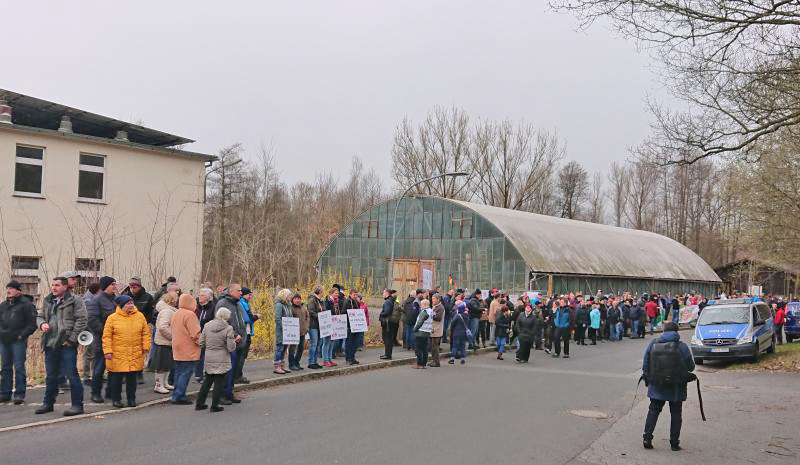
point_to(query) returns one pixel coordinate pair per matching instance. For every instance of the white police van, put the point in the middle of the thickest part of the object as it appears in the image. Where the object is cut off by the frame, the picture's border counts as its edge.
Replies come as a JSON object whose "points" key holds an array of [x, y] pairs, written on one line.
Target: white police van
{"points": [[733, 329]]}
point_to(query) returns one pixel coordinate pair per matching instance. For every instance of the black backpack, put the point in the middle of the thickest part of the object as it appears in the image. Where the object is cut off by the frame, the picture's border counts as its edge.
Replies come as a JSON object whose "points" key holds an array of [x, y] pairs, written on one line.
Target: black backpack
{"points": [[666, 364], [397, 313]]}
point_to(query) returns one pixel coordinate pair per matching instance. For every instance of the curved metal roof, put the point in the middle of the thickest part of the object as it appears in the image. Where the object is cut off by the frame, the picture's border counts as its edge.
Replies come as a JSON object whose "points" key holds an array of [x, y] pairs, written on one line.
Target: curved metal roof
{"points": [[557, 245]]}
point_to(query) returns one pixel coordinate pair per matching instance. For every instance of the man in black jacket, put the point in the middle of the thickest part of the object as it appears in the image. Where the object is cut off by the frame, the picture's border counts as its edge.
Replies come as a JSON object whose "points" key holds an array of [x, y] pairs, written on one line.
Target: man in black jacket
{"points": [[411, 307], [387, 330], [17, 322], [98, 310], [474, 310]]}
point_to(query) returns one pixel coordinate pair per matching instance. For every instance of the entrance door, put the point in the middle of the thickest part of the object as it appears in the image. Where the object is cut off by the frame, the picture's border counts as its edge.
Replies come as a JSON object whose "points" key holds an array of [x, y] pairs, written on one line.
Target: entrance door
{"points": [[408, 275]]}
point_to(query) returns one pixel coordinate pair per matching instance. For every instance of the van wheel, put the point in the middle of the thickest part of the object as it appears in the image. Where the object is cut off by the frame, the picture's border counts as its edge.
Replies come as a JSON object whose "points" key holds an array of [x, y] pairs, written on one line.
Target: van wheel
{"points": [[698, 361], [789, 338], [757, 355]]}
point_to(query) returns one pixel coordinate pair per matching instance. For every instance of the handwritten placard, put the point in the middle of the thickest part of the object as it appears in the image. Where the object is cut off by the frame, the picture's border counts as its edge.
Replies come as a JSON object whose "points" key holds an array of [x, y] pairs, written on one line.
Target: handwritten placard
{"points": [[339, 327], [291, 330], [358, 320], [325, 323]]}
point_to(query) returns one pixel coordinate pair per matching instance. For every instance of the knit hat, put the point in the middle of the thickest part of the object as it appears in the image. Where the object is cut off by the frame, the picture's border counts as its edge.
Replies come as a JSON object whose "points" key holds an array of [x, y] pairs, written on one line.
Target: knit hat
{"points": [[136, 281], [246, 290], [14, 285], [106, 281], [670, 326], [121, 300]]}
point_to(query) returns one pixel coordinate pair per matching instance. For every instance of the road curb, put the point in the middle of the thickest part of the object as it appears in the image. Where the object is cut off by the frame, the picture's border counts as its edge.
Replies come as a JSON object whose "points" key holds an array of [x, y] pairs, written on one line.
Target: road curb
{"points": [[256, 385]]}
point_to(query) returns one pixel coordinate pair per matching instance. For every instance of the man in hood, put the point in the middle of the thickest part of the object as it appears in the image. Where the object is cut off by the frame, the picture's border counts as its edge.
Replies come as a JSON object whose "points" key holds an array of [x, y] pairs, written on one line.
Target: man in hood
{"points": [[666, 369], [17, 322]]}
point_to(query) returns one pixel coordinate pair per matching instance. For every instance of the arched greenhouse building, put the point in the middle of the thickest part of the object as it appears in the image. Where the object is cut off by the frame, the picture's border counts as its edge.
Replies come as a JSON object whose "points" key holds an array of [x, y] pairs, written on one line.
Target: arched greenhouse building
{"points": [[443, 242]]}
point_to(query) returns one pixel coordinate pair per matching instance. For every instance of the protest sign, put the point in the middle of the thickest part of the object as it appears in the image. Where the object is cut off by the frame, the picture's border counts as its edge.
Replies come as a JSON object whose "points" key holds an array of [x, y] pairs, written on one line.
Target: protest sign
{"points": [[358, 320], [339, 327], [291, 330], [325, 323]]}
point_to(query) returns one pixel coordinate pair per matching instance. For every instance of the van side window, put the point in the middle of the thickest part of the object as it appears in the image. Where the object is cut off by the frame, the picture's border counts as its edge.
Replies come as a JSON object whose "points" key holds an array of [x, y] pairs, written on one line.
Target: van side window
{"points": [[755, 314], [765, 311]]}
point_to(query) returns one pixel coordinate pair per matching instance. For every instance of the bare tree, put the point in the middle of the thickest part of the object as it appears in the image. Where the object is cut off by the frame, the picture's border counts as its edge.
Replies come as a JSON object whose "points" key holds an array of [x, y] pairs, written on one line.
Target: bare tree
{"points": [[641, 191], [596, 199], [440, 144], [510, 161], [736, 62], [573, 189], [618, 192]]}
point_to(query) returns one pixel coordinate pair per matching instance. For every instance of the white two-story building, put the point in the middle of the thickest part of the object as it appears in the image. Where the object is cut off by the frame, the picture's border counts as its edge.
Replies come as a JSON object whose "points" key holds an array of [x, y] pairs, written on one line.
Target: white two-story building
{"points": [[84, 192]]}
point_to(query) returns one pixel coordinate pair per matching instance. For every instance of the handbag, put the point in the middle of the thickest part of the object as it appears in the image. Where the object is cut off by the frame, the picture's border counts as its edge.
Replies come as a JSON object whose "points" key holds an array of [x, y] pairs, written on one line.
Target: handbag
{"points": [[466, 326]]}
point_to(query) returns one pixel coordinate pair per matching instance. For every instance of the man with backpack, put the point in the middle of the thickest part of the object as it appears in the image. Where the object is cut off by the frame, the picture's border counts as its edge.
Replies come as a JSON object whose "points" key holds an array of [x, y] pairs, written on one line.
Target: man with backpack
{"points": [[667, 368]]}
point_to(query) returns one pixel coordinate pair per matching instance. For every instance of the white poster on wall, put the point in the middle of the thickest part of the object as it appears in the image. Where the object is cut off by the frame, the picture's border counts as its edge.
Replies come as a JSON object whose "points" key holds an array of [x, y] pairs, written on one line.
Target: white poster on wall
{"points": [[484, 294], [291, 330], [427, 279], [339, 327], [325, 323], [358, 320]]}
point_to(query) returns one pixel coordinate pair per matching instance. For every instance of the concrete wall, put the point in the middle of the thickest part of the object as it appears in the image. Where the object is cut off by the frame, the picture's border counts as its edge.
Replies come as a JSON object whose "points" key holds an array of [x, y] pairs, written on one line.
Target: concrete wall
{"points": [[149, 224]]}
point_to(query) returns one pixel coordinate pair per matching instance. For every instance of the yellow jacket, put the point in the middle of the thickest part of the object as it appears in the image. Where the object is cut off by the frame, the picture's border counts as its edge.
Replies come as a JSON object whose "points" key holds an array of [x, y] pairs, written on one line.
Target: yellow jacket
{"points": [[126, 337]]}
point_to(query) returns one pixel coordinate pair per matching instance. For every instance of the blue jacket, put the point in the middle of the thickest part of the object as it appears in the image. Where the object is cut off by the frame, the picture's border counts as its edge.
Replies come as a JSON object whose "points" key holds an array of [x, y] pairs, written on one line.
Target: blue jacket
{"points": [[247, 315], [674, 392], [594, 318], [561, 318], [458, 326]]}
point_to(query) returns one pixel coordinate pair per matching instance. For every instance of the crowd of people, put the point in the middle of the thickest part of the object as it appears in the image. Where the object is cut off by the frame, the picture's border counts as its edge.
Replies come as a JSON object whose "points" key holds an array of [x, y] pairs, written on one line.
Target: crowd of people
{"points": [[526, 322], [208, 335]]}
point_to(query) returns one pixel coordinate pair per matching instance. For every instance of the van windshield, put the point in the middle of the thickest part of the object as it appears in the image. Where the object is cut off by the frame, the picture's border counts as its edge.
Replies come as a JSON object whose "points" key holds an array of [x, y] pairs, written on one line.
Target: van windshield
{"points": [[724, 315]]}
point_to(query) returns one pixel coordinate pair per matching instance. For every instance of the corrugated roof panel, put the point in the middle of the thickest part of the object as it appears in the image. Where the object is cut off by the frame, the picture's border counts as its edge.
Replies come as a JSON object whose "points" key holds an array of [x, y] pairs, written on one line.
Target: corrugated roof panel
{"points": [[558, 245]]}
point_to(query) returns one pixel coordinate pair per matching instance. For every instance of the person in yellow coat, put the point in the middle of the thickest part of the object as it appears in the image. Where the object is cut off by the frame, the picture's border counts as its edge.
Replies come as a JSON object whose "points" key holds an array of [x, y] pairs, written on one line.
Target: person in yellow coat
{"points": [[126, 341]]}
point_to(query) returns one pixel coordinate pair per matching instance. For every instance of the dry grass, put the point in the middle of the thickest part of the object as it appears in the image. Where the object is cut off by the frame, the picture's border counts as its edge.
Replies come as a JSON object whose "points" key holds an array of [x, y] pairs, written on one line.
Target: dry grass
{"points": [[786, 359]]}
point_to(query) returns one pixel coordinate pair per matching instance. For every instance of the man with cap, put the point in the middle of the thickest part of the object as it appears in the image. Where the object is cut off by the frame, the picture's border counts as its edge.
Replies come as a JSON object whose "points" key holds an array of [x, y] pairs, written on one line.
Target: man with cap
{"points": [[61, 318], [17, 322], [97, 310], [249, 322], [386, 323], [73, 278]]}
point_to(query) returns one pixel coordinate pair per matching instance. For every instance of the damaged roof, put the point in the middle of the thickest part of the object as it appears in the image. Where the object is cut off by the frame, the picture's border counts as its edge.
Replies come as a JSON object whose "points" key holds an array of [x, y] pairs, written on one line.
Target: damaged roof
{"points": [[557, 245]]}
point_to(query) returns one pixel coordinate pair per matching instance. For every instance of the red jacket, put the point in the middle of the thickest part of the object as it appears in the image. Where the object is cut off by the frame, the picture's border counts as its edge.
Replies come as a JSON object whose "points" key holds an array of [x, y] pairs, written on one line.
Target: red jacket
{"points": [[780, 317], [651, 308]]}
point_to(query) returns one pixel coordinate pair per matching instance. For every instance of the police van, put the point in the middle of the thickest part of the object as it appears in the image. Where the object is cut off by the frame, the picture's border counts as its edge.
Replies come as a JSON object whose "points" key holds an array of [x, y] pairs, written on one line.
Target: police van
{"points": [[733, 329]]}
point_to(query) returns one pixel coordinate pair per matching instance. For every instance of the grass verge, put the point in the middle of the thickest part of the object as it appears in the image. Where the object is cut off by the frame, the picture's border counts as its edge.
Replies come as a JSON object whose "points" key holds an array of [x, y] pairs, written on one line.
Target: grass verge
{"points": [[786, 359]]}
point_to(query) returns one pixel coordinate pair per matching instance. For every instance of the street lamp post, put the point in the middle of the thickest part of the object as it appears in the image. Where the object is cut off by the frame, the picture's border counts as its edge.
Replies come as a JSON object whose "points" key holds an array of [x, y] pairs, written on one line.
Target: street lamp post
{"points": [[397, 206]]}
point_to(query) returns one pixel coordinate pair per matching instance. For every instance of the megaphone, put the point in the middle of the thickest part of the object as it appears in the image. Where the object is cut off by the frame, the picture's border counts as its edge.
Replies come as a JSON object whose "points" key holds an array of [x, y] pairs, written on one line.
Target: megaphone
{"points": [[85, 338]]}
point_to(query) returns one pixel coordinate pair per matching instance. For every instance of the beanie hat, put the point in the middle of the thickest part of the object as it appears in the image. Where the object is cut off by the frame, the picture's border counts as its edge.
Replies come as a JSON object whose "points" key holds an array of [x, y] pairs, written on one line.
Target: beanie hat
{"points": [[121, 300], [14, 285], [246, 290], [106, 281]]}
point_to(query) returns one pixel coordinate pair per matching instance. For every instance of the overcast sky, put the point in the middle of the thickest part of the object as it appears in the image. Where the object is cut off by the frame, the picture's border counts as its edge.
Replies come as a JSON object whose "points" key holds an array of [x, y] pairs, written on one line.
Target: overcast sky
{"points": [[323, 81]]}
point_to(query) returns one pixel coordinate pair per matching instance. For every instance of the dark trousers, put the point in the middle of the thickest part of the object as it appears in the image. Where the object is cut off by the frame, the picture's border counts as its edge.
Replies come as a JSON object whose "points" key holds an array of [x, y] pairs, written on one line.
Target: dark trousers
{"points": [[351, 344], [537, 338], [674, 424], [244, 351], [219, 384], [408, 335], [446, 325], [296, 352], [53, 360], [421, 348], [115, 385], [229, 376], [548, 337], [13, 372], [388, 332], [580, 334], [457, 344], [435, 341], [779, 334], [99, 368], [198, 368], [558, 335], [593, 335], [524, 352], [483, 330]]}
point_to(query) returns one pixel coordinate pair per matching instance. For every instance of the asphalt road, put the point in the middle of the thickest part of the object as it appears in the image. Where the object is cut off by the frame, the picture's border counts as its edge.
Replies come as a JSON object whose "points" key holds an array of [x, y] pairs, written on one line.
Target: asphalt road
{"points": [[482, 412]]}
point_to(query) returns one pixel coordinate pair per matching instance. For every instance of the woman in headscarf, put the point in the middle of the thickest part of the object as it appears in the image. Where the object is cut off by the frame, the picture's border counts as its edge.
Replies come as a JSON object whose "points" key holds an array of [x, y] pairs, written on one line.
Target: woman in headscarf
{"points": [[126, 340]]}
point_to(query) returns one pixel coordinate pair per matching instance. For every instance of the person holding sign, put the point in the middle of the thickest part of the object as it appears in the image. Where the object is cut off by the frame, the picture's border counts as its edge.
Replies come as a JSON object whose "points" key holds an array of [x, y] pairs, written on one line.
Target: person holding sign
{"points": [[282, 310], [422, 333], [314, 306], [353, 338], [301, 313]]}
